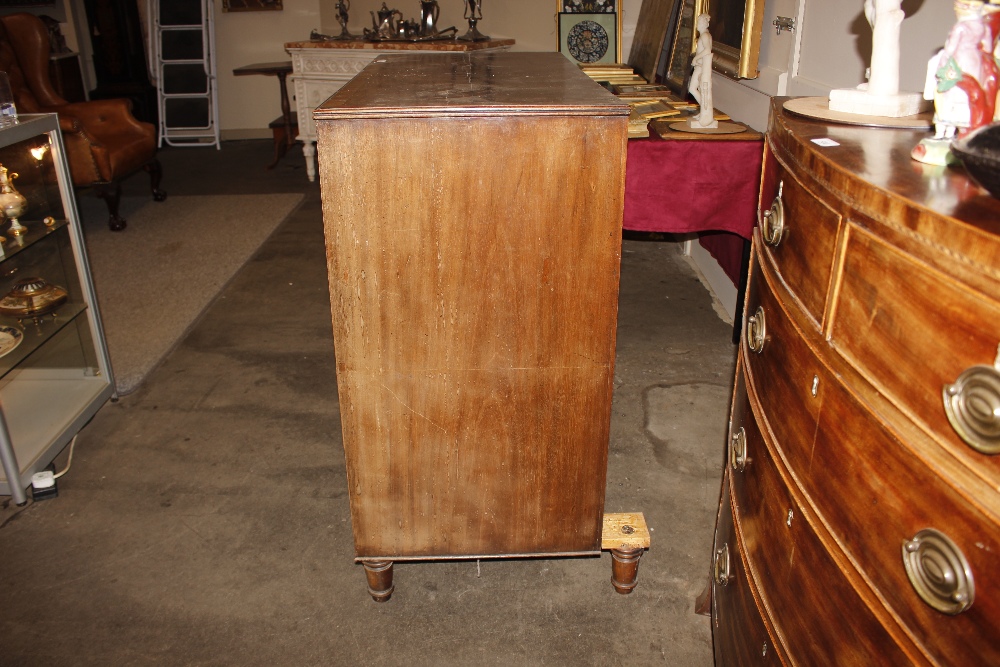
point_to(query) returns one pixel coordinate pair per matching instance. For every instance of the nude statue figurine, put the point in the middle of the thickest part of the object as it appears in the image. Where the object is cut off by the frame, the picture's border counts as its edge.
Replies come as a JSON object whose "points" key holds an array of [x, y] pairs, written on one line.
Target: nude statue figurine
{"points": [[701, 77]]}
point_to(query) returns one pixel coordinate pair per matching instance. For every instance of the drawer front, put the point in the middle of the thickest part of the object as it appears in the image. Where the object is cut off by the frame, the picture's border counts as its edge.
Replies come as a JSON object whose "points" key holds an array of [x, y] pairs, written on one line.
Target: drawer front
{"points": [[779, 372], [913, 331], [875, 495], [738, 630], [820, 618], [800, 237]]}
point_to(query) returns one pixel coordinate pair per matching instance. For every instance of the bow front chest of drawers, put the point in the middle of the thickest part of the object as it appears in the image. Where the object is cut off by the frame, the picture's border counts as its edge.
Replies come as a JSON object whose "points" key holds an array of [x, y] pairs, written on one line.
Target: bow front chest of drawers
{"points": [[472, 206], [859, 515]]}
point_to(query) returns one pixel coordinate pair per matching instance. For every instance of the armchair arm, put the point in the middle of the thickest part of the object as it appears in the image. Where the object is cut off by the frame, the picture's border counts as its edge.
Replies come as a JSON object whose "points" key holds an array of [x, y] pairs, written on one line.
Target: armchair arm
{"points": [[114, 114], [103, 139]]}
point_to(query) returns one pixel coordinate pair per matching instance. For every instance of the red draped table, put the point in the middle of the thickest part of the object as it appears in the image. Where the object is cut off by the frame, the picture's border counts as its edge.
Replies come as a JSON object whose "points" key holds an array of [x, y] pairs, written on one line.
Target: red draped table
{"points": [[704, 186]]}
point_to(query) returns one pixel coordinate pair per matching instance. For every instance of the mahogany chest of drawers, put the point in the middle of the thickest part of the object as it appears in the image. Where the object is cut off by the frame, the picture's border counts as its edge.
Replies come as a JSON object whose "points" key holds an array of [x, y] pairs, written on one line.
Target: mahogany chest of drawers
{"points": [[860, 516], [472, 206]]}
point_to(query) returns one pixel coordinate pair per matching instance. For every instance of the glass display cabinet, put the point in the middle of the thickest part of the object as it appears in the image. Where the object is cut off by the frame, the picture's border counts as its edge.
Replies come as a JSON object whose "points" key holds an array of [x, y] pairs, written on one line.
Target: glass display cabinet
{"points": [[54, 368]]}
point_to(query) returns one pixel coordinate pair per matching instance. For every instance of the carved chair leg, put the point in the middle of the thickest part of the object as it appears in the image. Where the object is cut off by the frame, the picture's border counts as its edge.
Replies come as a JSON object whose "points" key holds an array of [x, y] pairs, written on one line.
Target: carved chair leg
{"points": [[379, 573], [625, 569], [155, 171], [111, 193]]}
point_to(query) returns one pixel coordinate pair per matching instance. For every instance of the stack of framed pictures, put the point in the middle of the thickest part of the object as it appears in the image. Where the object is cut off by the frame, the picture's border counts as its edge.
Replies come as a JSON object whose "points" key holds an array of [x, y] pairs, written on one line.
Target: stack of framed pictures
{"points": [[590, 31]]}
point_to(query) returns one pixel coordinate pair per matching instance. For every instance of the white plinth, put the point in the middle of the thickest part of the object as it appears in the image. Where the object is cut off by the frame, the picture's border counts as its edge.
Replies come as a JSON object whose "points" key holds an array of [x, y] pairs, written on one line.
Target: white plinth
{"points": [[852, 100], [696, 125]]}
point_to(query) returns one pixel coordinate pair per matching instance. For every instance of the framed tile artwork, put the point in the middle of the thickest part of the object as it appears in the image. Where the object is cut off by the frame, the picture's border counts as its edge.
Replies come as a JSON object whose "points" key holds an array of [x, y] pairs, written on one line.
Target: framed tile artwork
{"points": [[589, 39], [602, 8]]}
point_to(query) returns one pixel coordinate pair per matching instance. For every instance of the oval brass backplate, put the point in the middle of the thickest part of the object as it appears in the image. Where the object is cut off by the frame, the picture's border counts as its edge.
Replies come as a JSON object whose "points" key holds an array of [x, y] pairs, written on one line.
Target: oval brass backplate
{"points": [[773, 225], [756, 330], [972, 404], [939, 571], [738, 450], [722, 575]]}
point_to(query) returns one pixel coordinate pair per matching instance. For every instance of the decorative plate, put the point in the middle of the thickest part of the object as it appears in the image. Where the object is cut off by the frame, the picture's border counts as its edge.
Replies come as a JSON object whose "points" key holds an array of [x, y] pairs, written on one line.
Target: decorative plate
{"points": [[10, 337]]}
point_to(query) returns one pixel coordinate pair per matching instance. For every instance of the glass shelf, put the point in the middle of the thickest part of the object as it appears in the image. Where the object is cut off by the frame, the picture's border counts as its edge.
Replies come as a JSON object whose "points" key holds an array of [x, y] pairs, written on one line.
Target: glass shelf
{"points": [[58, 375], [37, 230]]}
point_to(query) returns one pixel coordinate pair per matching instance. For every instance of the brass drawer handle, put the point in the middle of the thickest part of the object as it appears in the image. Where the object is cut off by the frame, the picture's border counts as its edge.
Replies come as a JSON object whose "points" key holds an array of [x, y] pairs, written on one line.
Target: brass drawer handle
{"points": [[939, 571], [972, 404], [756, 330], [738, 450], [772, 226], [722, 575]]}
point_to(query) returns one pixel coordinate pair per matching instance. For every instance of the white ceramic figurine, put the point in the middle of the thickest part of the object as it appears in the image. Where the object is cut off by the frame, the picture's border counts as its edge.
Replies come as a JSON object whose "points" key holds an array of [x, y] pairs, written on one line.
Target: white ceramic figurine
{"points": [[880, 95], [701, 78]]}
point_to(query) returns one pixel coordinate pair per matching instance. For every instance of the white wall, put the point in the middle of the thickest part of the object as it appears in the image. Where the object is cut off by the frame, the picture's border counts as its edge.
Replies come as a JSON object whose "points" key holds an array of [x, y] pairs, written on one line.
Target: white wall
{"points": [[830, 48], [248, 103]]}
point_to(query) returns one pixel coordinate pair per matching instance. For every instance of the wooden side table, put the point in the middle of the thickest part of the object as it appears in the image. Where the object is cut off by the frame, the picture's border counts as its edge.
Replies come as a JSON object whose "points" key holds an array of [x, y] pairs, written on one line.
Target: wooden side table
{"points": [[284, 128]]}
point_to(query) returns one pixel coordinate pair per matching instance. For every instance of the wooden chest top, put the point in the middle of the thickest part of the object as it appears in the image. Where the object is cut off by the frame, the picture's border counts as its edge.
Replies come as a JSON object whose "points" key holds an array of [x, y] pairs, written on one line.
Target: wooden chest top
{"points": [[471, 84]]}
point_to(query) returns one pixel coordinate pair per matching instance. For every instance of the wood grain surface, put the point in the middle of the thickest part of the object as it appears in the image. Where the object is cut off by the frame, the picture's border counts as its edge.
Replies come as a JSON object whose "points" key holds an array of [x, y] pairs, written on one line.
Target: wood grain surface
{"points": [[845, 423], [740, 635], [851, 455], [473, 84], [806, 252], [474, 266]]}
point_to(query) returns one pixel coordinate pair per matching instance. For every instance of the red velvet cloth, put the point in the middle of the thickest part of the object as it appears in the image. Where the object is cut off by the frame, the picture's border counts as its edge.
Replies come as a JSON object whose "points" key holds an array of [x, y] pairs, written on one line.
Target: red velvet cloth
{"points": [[682, 187], [727, 250]]}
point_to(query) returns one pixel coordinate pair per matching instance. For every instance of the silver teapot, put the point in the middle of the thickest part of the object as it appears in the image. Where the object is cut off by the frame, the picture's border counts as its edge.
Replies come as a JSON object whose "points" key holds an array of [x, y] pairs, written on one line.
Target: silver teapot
{"points": [[429, 13], [385, 26]]}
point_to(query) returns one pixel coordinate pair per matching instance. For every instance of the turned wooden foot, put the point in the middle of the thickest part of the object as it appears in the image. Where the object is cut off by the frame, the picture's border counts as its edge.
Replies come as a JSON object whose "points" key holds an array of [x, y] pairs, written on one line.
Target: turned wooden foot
{"points": [[379, 573], [625, 569], [626, 536]]}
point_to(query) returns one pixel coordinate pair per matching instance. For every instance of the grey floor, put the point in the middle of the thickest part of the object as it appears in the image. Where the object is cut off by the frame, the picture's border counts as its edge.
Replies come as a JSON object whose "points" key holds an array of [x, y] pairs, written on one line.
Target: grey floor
{"points": [[205, 519]]}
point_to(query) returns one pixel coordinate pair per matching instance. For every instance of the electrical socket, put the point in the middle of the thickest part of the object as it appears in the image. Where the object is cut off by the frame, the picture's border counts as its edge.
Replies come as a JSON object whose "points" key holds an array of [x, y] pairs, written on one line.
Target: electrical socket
{"points": [[43, 485]]}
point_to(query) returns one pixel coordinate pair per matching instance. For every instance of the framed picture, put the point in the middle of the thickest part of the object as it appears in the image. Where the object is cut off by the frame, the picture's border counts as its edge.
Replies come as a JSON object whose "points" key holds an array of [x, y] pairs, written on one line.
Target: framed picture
{"points": [[251, 5], [589, 39], [678, 72], [606, 7], [736, 28], [651, 30]]}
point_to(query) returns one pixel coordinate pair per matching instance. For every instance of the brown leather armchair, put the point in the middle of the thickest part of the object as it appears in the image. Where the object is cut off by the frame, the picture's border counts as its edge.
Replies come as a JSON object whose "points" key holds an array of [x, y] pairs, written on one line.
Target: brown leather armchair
{"points": [[104, 142]]}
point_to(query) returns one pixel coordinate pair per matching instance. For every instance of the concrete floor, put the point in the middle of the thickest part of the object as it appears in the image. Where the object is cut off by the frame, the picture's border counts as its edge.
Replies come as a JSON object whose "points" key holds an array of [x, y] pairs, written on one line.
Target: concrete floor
{"points": [[205, 519]]}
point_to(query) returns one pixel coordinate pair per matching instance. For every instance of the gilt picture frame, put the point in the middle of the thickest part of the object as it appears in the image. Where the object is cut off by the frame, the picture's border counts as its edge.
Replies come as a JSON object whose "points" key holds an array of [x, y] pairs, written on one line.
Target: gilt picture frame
{"points": [[589, 39], [736, 27], [602, 7]]}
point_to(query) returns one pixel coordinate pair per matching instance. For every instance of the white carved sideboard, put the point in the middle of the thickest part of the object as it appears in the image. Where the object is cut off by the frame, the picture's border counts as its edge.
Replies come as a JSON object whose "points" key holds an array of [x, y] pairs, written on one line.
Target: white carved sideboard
{"points": [[319, 69]]}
